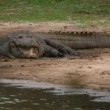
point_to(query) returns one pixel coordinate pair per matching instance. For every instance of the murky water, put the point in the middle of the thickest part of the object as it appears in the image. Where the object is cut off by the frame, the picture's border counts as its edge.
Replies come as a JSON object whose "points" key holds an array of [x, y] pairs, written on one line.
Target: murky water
{"points": [[27, 95]]}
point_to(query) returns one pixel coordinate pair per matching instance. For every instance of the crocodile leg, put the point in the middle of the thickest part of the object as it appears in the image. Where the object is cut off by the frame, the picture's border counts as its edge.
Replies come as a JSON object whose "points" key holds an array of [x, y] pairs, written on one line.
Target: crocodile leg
{"points": [[63, 49], [4, 50], [51, 52]]}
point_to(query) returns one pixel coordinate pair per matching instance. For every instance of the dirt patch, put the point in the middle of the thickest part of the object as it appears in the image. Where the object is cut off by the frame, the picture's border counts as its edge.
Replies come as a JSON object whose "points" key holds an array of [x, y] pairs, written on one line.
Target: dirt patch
{"points": [[48, 26], [91, 69]]}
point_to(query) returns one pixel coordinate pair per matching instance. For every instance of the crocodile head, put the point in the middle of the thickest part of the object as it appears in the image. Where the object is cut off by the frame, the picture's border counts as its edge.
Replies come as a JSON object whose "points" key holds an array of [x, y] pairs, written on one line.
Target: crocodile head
{"points": [[24, 46]]}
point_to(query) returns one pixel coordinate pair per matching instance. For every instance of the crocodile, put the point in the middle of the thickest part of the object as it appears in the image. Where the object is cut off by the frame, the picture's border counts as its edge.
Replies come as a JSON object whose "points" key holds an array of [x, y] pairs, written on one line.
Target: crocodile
{"points": [[26, 44]]}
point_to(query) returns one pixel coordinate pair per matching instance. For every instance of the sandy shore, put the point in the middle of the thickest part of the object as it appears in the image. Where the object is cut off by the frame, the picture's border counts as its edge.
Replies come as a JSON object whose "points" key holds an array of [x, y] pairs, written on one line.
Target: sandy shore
{"points": [[91, 69]]}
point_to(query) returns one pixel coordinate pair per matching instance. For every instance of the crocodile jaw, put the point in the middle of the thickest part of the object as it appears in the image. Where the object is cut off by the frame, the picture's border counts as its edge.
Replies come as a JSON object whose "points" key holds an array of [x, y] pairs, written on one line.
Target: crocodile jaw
{"points": [[24, 51], [29, 52]]}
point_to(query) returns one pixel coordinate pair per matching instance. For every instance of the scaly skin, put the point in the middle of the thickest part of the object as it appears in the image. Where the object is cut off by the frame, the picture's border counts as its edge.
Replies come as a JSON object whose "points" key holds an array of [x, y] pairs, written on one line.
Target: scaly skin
{"points": [[80, 40], [51, 44], [20, 44], [26, 44]]}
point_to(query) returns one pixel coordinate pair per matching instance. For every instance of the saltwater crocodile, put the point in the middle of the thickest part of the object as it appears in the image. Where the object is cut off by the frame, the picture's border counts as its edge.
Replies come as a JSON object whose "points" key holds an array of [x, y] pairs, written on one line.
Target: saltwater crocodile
{"points": [[26, 44]]}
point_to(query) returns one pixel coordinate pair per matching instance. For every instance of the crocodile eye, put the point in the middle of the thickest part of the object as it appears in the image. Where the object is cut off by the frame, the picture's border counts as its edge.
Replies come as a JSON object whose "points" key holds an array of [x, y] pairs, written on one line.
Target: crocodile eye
{"points": [[20, 37]]}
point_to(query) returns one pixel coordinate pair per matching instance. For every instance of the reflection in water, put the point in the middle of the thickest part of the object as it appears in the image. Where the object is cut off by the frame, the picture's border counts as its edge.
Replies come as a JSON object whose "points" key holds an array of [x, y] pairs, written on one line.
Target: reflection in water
{"points": [[26, 95]]}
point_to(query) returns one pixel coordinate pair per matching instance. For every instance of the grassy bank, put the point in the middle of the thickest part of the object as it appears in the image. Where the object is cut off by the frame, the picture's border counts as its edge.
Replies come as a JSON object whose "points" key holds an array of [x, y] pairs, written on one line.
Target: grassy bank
{"points": [[84, 12]]}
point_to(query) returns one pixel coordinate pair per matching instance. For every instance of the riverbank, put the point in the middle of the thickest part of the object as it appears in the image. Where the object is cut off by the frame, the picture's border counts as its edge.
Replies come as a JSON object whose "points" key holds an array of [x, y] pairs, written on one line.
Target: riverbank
{"points": [[91, 69]]}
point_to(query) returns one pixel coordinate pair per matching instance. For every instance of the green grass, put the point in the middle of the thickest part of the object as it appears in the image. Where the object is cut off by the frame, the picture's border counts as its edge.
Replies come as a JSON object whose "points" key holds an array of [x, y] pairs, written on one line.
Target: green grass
{"points": [[84, 12]]}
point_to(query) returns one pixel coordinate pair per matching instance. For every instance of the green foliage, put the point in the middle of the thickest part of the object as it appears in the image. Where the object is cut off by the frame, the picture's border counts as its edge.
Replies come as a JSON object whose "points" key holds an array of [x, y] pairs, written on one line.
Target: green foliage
{"points": [[81, 11]]}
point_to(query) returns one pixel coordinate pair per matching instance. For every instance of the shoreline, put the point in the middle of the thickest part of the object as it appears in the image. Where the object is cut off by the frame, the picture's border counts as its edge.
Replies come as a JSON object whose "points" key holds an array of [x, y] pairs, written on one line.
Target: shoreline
{"points": [[86, 71], [90, 70]]}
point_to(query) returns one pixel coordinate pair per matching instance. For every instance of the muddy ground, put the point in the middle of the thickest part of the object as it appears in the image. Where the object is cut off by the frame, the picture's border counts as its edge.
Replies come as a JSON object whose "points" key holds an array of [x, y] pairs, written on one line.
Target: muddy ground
{"points": [[91, 69]]}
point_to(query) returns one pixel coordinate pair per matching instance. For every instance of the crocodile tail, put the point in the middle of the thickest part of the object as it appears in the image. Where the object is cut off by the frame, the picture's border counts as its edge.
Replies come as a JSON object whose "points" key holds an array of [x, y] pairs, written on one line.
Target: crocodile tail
{"points": [[81, 39]]}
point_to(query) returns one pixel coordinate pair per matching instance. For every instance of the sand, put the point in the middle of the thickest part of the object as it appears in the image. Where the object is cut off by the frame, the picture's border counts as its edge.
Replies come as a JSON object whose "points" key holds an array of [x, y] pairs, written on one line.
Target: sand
{"points": [[90, 70]]}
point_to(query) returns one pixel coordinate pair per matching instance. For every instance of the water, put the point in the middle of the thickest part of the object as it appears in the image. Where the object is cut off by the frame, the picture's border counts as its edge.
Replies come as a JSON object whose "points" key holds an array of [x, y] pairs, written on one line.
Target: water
{"points": [[27, 95]]}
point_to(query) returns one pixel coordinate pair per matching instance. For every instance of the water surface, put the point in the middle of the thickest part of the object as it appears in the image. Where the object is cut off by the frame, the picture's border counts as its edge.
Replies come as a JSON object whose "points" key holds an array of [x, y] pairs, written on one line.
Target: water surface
{"points": [[30, 95]]}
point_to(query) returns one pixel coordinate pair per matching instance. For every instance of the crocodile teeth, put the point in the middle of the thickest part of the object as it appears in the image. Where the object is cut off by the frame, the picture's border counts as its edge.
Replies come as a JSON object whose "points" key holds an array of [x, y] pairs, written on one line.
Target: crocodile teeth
{"points": [[29, 52]]}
